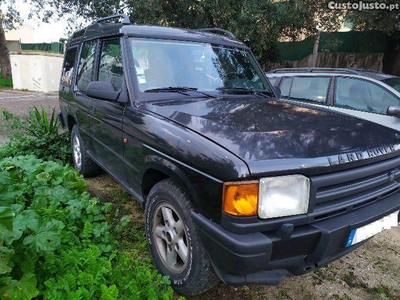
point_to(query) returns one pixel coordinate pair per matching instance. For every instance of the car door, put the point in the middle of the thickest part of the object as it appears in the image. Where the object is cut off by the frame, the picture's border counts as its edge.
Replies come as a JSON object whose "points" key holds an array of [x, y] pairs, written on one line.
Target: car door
{"points": [[365, 99], [106, 121], [84, 75]]}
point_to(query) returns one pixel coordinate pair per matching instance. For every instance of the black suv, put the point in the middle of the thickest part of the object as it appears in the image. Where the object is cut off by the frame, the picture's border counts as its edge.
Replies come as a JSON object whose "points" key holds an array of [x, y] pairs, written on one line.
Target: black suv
{"points": [[236, 184]]}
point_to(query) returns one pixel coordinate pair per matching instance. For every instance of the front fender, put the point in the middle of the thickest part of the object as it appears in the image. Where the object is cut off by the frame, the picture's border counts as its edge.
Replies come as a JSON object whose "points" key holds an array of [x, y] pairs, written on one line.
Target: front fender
{"points": [[204, 191]]}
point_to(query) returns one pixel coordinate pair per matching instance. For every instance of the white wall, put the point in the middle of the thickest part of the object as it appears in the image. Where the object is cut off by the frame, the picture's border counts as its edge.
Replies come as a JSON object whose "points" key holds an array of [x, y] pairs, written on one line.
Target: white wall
{"points": [[36, 72]]}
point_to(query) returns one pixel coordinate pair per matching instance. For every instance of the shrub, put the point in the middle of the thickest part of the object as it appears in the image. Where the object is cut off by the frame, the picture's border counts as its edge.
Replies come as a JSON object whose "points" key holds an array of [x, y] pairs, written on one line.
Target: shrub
{"points": [[6, 82], [38, 134], [56, 242]]}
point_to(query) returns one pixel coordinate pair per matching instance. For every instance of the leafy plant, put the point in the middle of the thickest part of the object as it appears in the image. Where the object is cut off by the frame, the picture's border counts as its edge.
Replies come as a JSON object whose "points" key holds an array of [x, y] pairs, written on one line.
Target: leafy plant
{"points": [[38, 134], [56, 242]]}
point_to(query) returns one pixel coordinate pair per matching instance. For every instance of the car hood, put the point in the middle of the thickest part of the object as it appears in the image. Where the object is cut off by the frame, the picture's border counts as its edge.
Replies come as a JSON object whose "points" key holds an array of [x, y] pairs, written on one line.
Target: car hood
{"points": [[258, 129]]}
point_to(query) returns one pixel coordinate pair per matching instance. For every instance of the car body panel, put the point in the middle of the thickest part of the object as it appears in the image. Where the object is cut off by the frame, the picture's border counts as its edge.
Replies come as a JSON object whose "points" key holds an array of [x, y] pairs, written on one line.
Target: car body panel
{"points": [[202, 142], [106, 134], [260, 130]]}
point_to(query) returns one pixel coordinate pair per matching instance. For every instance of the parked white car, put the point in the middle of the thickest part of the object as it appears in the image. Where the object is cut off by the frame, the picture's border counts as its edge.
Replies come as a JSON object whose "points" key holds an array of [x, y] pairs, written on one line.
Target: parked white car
{"points": [[366, 94]]}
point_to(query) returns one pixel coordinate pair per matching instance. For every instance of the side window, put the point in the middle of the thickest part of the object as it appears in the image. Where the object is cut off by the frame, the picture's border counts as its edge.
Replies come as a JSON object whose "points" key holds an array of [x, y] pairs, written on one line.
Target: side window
{"points": [[86, 65], [273, 80], [363, 95], [68, 68], [310, 88], [110, 68], [285, 86]]}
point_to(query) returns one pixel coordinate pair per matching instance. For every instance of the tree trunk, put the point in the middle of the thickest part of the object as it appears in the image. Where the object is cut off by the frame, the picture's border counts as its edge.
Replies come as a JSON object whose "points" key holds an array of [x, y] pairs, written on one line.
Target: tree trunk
{"points": [[5, 65], [314, 56], [391, 58]]}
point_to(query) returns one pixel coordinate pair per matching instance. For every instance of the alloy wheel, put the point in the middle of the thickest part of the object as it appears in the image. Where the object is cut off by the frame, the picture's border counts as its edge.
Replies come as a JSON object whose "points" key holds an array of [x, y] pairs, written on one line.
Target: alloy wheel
{"points": [[171, 238], [76, 150]]}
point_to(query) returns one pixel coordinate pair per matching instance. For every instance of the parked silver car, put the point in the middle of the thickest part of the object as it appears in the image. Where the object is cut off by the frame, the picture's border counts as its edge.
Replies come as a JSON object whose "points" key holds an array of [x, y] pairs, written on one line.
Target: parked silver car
{"points": [[366, 94]]}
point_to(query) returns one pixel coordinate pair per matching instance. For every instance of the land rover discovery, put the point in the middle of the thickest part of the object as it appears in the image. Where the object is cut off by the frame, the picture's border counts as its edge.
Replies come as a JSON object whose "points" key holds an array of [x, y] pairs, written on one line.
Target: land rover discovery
{"points": [[236, 184]]}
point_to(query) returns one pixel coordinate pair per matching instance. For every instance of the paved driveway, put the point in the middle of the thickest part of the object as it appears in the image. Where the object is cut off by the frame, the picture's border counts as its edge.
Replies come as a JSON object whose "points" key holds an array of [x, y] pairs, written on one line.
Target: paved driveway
{"points": [[18, 102]]}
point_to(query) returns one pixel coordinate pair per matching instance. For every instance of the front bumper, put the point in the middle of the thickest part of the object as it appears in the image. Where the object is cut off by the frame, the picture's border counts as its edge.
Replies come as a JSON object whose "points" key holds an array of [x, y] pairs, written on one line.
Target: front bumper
{"points": [[267, 258]]}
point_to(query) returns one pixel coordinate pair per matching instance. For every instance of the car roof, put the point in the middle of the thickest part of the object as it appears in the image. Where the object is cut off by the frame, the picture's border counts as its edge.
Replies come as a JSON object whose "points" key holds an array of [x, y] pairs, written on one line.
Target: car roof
{"points": [[335, 71], [375, 76], [102, 30]]}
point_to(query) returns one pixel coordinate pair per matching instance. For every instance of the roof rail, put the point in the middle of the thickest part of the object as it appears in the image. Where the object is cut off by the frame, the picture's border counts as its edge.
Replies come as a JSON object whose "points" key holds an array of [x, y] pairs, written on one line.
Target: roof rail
{"points": [[369, 71], [125, 18], [78, 33], [215, 29], [311, 70]]}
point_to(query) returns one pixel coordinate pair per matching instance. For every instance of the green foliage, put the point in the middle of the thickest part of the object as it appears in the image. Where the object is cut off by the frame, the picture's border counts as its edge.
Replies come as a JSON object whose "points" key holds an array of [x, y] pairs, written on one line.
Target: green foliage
{"points": [[56, 242], [38, 134], [261, 24], [375, 19], [6, 82]]}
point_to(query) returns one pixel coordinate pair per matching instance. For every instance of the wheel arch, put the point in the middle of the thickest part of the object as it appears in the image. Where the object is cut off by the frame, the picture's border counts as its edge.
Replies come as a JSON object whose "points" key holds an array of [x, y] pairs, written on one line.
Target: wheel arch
{"points": [[71, 121], [157, 169]]}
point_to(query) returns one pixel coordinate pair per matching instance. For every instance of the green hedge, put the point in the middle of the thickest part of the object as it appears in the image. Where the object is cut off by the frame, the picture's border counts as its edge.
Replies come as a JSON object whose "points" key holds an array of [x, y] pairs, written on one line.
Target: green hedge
{"points": [[351, 41], [47, 47], [6, 82]]}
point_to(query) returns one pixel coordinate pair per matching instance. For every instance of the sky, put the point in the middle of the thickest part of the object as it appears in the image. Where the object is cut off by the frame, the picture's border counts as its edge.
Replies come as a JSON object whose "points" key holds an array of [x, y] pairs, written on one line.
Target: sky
{"points": [[42, 32]]}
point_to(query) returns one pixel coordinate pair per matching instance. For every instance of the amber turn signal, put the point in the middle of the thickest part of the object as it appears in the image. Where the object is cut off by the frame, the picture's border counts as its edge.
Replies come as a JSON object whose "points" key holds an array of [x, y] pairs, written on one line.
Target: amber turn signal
{"points": [[240, 198]]}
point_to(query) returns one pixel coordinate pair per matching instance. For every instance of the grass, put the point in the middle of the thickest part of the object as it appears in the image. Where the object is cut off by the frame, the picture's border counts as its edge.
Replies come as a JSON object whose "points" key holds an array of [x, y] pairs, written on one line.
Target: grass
{"points": [[6, 82]]}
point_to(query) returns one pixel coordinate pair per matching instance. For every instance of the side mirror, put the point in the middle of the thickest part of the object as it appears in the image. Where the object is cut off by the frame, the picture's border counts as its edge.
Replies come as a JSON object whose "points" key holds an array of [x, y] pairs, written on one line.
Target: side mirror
{"points": [[102, 90], [393, 111], [278, 91]]}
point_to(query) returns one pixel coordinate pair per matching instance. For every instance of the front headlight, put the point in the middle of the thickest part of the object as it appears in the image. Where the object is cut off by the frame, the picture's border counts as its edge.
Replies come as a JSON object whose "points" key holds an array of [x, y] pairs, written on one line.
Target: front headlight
{"points": [[283, 196]]}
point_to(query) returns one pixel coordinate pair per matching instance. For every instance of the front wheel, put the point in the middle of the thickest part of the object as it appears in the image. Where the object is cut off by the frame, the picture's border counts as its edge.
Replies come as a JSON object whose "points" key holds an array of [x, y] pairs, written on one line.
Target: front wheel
{"points": [[175, 245]]}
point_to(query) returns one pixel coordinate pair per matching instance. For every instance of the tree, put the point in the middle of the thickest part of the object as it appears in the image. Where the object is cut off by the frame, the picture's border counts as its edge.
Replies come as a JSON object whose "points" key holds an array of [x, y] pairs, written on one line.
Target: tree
{"points": [[386, 21], [260, 23], [9, 17]]}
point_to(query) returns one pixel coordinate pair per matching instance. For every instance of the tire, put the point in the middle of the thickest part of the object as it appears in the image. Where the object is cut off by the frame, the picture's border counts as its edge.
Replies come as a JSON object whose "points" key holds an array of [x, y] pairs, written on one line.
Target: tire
{"points": [[82, 162], [189, 277]]}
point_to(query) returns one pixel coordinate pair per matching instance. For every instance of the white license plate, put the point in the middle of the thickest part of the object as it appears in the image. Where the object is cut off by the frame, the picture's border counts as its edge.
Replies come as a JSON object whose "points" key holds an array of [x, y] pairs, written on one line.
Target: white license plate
{"points": [[362, 233]]}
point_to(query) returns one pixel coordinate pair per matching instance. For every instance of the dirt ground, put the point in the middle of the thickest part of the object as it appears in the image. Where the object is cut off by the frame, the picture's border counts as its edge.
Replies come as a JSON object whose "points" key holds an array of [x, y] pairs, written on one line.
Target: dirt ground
{"points": [[370, 272]]}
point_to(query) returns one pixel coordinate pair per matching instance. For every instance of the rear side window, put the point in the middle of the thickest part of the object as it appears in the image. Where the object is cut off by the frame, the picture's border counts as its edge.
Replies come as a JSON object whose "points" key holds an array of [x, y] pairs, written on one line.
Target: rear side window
{"points": [[110, 68], [363, 95], [285, 86], [86, 65], [68, 68], [310, 88]]}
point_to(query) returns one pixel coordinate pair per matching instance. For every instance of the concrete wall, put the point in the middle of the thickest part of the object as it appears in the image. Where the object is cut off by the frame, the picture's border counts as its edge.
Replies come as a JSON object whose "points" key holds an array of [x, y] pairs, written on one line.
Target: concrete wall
{"points": [[335, 60], [36, 72], [14, 46]]}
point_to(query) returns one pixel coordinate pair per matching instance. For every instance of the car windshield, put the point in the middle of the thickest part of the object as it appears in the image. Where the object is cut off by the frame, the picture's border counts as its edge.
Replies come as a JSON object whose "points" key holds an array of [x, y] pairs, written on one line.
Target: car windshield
{"points": [[394, 82], [175, 66]]}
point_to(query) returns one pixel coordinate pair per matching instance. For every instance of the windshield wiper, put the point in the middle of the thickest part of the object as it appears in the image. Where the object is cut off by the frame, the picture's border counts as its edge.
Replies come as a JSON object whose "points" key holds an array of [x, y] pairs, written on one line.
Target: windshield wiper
{"points": [[244, 89], [178, 89]]}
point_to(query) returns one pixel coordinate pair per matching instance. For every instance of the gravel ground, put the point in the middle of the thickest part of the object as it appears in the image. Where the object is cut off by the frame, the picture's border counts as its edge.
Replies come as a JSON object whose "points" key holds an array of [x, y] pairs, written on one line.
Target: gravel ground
{"points": [[370, 272]]}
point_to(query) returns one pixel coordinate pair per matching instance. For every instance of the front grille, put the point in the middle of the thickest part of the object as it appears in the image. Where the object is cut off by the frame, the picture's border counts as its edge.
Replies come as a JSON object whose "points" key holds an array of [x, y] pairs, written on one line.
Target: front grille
{"points": [[344, 191]]}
